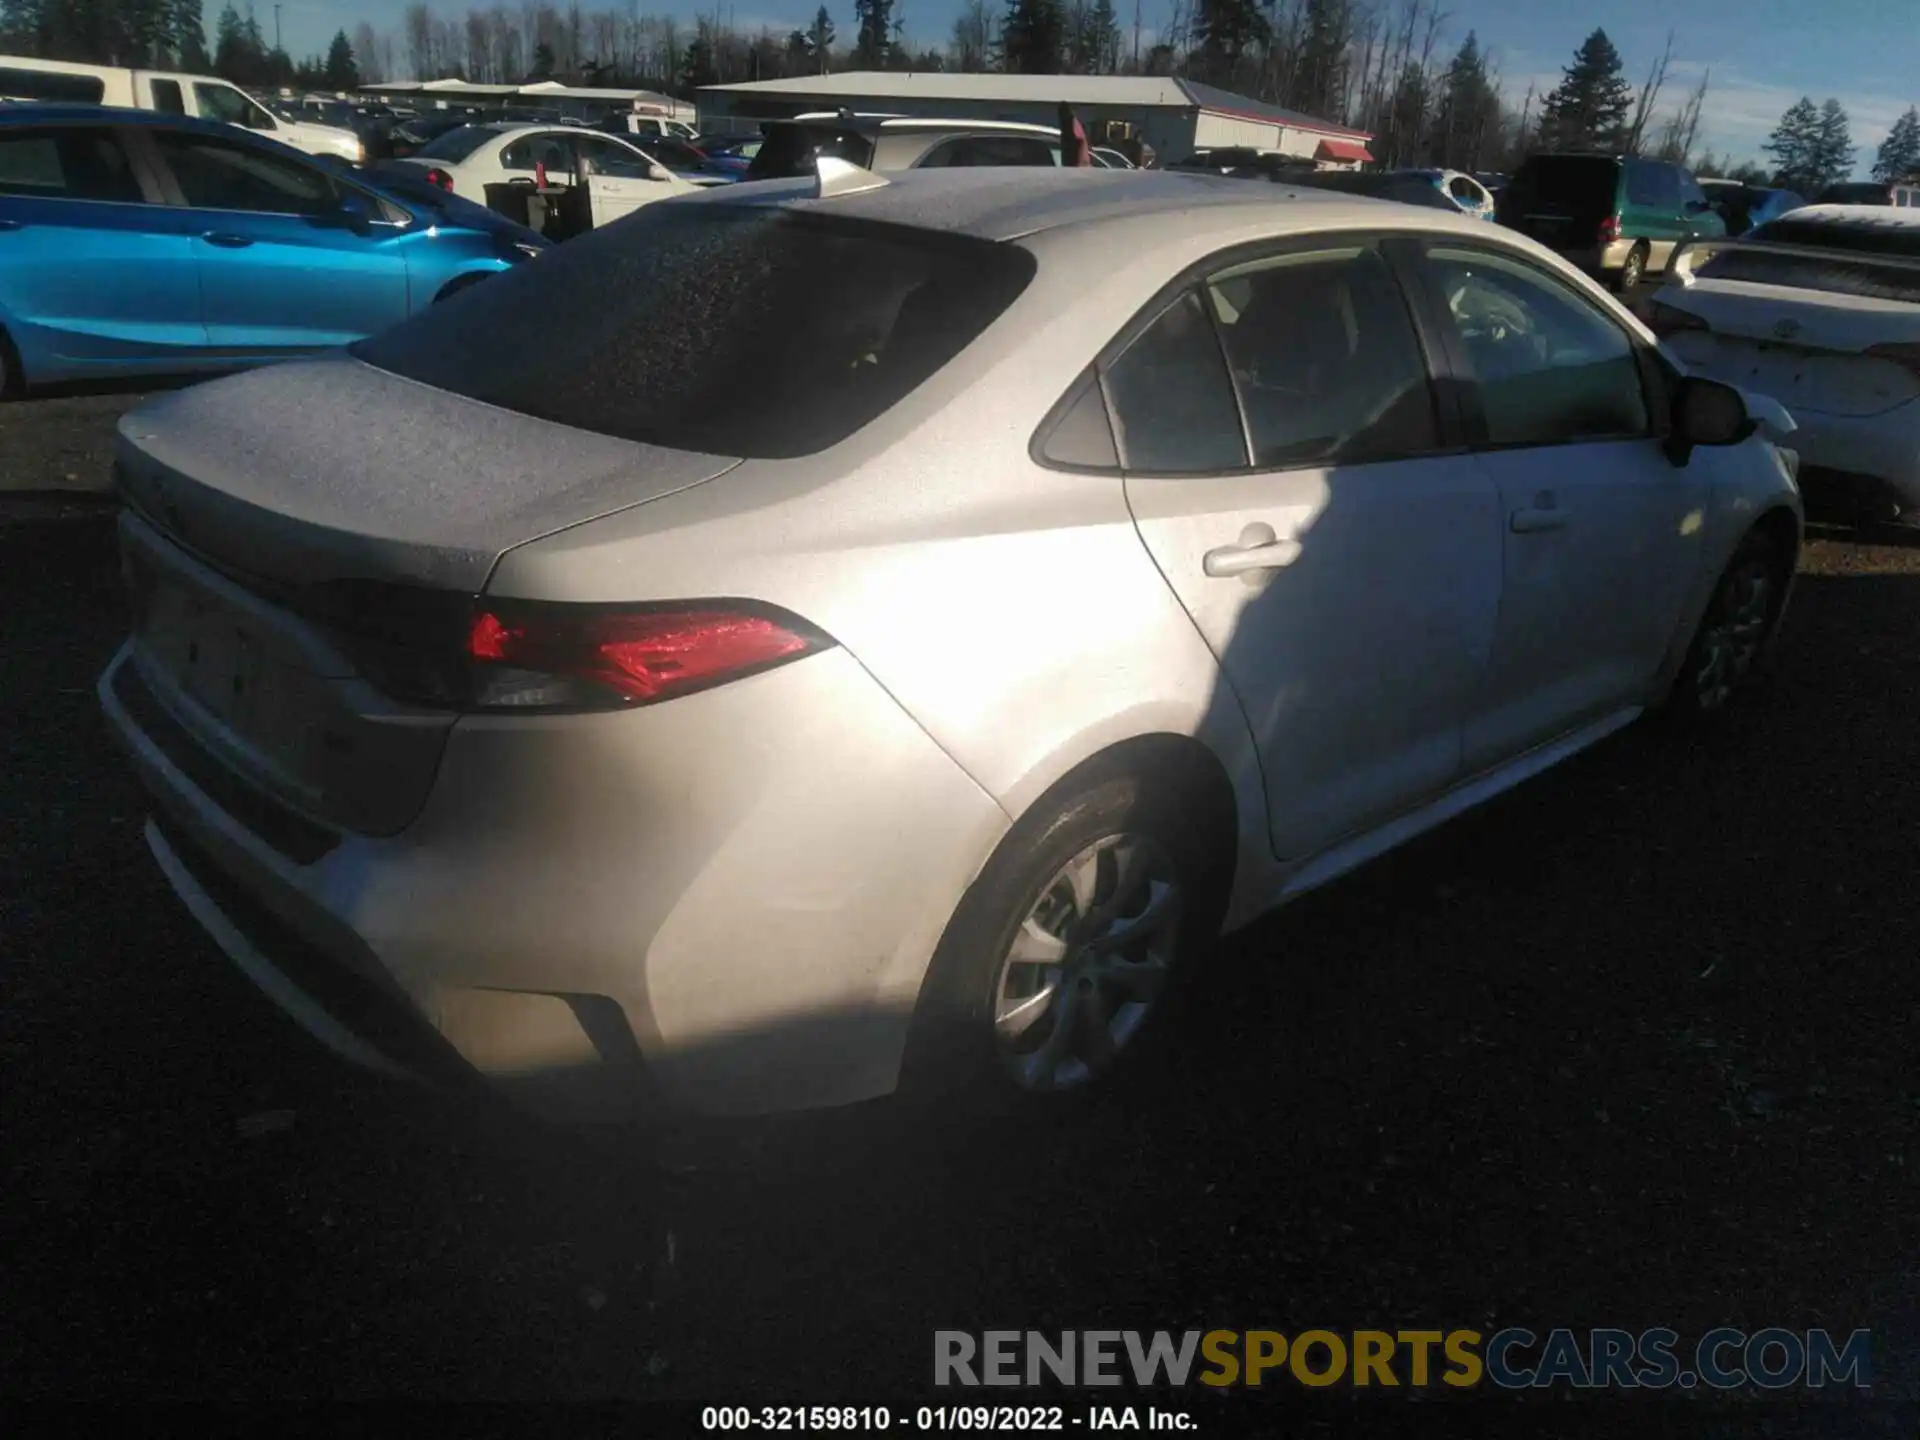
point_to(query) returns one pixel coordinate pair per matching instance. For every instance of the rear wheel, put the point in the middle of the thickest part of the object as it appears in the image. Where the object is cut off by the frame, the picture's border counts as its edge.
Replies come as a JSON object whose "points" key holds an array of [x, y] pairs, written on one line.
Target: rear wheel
{"points": [[1634, 270], [1064, 953]]}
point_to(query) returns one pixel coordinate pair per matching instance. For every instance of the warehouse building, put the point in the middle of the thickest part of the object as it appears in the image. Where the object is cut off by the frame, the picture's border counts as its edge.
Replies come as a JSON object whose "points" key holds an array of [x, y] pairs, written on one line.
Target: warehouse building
{"points": [[1173, 116]]}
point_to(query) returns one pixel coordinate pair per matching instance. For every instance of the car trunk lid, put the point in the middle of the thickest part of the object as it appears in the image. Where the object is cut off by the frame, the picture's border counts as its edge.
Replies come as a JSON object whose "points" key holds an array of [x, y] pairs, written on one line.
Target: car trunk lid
{"points": [[291, 531], [1807, 348]]}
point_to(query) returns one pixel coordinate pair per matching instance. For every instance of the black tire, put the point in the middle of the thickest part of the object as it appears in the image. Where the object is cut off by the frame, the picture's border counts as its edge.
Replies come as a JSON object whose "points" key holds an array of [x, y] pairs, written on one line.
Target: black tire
{"points": [[1716, 669], [952, 1044], [1633, 270]]}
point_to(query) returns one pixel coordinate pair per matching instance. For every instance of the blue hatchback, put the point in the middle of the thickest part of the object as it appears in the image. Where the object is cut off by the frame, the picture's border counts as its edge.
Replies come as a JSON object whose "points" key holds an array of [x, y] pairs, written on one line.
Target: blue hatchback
{"points": [[134, 243]]}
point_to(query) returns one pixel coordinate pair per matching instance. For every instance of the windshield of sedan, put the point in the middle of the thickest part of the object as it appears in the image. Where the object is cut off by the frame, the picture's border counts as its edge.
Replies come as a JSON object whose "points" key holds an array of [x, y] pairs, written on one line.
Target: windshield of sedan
{"points": [[646, 329]]}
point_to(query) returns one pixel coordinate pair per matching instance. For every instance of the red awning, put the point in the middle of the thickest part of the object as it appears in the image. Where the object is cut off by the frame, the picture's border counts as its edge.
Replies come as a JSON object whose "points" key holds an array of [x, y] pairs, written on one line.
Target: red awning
{"points": [[1354, 151]]}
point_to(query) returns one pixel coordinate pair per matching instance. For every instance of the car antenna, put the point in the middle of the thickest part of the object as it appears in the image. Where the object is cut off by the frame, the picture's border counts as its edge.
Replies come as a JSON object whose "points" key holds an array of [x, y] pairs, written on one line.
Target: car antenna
{"points": [[842, 177]]}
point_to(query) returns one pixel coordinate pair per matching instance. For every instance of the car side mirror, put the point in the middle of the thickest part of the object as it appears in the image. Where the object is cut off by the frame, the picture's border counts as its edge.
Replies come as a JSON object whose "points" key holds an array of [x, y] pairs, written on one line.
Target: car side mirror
{"points": [[355, 210], [1705, 412]]}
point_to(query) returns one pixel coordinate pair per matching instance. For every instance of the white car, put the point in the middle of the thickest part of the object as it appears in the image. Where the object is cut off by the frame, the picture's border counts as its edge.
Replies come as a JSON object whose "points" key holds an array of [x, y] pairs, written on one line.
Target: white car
{"points": [[622, 177], [1819, 308], [26, 77], [1102, 560]]}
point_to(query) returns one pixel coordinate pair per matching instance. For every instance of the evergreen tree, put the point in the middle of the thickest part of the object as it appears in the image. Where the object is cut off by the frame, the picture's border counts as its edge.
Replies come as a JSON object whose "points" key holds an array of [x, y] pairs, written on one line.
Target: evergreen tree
{"points": [[873, 38], [543, 59], [1226, 31], [1469, 109], [1794, 146], [1033, 37], [187, 35], [1899, 155], [1320, 70], [1100, 39], [1589, 109], [20, 24], [342, 70], [1833, 145], [820, 38]]}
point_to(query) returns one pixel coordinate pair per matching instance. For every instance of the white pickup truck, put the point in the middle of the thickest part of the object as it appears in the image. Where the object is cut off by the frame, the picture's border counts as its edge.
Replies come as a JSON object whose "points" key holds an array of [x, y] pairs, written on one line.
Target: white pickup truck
{"points": [[24, 77]]}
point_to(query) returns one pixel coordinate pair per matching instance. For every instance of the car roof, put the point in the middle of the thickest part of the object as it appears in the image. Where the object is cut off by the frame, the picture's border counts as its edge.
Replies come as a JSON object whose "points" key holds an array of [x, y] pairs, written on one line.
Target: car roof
{"points": [[1013, 201]]}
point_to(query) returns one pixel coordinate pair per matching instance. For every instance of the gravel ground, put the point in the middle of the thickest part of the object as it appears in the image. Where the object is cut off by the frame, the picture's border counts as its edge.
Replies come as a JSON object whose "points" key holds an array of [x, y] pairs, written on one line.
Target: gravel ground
{"points": [[60, 444], [1632, 1047]]}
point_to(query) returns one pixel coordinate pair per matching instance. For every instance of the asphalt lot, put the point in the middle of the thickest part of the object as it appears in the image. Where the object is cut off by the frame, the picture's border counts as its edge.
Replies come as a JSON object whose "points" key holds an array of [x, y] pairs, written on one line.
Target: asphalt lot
{"points": [[1632, 1047]]}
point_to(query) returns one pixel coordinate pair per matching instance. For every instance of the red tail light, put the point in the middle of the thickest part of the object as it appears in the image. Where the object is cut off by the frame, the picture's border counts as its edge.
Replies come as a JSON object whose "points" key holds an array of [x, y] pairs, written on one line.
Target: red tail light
{"points": [[589, 657], [437, 176], [1609, 229], [1905, 354]]}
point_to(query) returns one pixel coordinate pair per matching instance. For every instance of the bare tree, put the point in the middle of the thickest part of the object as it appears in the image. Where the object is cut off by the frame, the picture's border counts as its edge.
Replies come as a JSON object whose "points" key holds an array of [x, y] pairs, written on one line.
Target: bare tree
{"points": [[366, 51], [1649, 97]]}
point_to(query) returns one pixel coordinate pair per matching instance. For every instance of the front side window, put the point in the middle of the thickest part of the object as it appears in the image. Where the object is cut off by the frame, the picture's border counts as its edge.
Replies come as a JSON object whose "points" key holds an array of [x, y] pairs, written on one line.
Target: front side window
{"points": [[1172, 398], [553, 151], [1465, 189], [1550, 366], [605, 157], [1325, 358], [223, 102], [67, 163], [215, 175]]}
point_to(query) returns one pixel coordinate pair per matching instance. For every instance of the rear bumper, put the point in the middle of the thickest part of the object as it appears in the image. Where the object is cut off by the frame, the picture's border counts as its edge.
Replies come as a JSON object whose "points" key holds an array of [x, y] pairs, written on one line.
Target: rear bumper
{"points": [[721, 905]]}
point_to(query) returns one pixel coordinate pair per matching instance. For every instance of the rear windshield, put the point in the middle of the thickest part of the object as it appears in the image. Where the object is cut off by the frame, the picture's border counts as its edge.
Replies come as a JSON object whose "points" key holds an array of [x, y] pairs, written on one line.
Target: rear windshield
{"points": [[721, 328], [455, 145], [1845, 265], [790, 150], [1574, 183]]}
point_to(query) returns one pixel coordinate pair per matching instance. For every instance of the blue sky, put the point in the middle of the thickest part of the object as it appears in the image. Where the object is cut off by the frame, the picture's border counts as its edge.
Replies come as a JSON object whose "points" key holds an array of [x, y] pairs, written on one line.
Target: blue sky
{"points": [[1763, 54]]}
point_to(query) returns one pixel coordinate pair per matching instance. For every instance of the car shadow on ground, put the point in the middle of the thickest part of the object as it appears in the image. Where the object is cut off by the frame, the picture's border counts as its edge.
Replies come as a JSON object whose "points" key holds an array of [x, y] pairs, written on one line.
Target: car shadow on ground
{"points": [[1631, 1046]]}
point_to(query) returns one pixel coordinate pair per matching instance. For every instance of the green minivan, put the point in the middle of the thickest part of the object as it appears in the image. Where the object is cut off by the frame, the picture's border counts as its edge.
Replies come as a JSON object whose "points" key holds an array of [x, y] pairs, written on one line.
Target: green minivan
{"points": [[1616, 216]]}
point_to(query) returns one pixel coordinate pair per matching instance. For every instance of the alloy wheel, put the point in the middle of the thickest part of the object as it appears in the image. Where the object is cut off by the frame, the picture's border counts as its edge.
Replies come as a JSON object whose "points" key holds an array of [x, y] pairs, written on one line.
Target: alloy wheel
{"points": [[1092, 958], [1735, 630]]}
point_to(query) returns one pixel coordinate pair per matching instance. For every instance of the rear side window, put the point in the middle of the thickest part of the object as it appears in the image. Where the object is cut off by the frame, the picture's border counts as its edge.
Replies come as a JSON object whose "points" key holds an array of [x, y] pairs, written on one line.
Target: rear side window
{"points": [[990, 150], [1172, 398], [18, 84], [1657, 187], [1325, 358], [68, 163], [456, 144], [645, 329], [167, 98]]}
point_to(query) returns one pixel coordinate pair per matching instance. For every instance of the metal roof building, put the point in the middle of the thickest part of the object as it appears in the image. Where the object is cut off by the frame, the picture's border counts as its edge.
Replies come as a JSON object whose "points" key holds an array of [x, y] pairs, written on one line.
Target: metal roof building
{"points": [[568, 99], [1173, 115]]}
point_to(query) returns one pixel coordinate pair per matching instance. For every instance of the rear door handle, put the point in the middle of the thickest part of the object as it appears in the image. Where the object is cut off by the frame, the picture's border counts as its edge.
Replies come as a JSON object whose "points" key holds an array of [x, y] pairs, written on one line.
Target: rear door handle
{"points": [[226, 241], [1259, 549], [1531, 520]]}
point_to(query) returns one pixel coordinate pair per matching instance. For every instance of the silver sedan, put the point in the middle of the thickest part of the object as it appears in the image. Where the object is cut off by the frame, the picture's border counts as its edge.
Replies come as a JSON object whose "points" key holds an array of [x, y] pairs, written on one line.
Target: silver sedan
{"points": [[815, 637]]}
